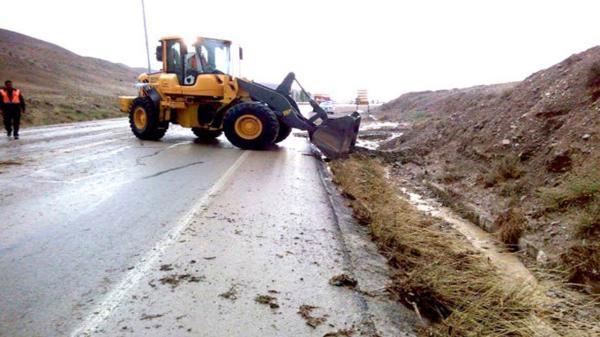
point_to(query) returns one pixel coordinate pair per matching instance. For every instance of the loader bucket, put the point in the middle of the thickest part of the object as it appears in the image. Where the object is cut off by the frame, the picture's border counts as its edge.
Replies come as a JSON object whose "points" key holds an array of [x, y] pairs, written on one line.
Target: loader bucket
{"points": [[336, 136]]}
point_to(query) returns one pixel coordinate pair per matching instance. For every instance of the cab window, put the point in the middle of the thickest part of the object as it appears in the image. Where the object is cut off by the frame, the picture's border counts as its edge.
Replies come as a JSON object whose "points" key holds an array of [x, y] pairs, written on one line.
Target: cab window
{"points": [[174, 61]]}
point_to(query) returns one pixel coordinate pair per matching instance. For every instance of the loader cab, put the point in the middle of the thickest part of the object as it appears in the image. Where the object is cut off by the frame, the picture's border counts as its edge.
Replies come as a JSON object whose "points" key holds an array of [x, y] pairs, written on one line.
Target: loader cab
{"points": [[202, 57]]}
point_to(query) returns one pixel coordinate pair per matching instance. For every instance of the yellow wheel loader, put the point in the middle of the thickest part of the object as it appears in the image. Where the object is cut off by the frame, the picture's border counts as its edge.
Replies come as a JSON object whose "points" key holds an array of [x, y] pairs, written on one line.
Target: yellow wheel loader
{"points": [[195, 90]]}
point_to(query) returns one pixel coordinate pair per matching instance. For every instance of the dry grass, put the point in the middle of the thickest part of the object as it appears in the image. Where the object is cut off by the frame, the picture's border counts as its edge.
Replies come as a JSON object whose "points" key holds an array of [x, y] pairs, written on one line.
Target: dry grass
{"points": [[579, 194], [436, 272], [503, 169], [451, 174], [578, 189], [513, 189], [588, 225], [45, 109], [511, 225]]}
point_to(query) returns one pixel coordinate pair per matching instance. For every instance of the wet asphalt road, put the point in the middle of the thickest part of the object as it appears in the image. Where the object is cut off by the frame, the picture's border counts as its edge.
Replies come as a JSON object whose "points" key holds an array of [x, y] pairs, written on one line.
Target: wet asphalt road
{"points": [[104, 234]]}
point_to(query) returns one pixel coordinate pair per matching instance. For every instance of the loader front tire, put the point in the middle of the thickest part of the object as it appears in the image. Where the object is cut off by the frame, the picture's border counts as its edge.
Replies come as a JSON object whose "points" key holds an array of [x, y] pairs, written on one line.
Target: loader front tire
{"points": [[284, 132], [206, 135], [144, 120], [251, 126]]}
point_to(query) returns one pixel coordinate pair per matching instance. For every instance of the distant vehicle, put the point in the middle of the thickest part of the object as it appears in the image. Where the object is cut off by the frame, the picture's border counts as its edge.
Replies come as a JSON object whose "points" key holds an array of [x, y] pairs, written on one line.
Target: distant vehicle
{"points": [[325, 102], [328, 106]]}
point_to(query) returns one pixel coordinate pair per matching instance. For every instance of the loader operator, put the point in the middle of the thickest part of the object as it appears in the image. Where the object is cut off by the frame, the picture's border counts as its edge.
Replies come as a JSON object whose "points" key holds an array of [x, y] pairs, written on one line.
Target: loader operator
{"points": [[12, 106]]}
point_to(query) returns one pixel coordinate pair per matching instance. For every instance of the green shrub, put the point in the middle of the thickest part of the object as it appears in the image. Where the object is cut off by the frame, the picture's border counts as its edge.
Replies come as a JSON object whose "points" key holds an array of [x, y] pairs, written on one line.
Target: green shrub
{"points": [[577, 189], [588, 225], [415, 116], [513, 189]]}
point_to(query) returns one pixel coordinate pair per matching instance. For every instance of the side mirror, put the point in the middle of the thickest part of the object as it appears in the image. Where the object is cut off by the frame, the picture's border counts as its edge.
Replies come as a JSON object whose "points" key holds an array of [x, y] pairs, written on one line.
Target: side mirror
{"points": [[241, 53], [159, 54]]}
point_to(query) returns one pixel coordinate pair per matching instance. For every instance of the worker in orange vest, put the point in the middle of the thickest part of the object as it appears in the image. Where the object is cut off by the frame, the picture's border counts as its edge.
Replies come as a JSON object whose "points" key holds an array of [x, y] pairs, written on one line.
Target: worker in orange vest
{"points": [[12, 106]]}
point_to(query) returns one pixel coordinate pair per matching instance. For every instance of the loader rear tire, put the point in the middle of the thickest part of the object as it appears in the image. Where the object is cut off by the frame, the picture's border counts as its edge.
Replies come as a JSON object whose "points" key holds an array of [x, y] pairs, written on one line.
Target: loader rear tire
{"points": [[284, 132], [206, 135], [144, 120], [251, 126]]}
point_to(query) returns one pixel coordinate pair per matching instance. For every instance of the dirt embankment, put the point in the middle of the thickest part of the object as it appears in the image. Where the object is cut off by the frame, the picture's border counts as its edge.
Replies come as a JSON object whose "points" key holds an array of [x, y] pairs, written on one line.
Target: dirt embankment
{"points": [[59, 85], [522, 157], [439, 274]]}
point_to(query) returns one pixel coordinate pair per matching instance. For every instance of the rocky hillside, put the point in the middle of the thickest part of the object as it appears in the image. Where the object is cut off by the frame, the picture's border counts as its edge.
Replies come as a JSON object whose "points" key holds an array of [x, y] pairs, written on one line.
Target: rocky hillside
{"points": [[59, 85], [525, 156]]}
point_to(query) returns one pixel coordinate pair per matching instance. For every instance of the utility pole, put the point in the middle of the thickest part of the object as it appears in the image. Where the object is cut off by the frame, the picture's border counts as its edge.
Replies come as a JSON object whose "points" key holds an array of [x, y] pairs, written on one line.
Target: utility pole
{"points": [[146, 36]]}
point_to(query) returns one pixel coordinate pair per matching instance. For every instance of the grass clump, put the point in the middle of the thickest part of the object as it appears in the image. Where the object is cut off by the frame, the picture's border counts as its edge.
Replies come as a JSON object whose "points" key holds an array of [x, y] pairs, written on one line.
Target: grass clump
{"points": [[416, 116], [577, 189], [513, 189], [451, 174], [503, 169], [511, 225], [579, 195], [589, 222]]}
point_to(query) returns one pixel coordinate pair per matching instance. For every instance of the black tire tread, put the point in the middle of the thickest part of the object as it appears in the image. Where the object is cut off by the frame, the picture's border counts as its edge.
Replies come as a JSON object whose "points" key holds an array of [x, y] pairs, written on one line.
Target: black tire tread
{"points": [[284, 132], [266, 116], [155, 130]]}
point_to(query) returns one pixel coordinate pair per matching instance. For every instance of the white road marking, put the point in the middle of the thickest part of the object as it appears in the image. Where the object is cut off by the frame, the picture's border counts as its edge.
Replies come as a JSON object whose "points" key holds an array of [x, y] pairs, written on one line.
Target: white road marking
{"points": [[121, 290]]}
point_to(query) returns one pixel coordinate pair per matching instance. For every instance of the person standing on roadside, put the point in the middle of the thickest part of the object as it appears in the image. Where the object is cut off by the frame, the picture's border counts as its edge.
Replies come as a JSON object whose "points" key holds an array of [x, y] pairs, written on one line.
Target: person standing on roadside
{"points": [[12, 106]]}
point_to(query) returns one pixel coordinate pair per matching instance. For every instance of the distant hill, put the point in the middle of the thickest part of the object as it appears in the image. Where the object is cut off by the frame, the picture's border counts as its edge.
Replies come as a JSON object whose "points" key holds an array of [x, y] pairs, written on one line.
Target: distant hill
{"points": [[59, 85]]}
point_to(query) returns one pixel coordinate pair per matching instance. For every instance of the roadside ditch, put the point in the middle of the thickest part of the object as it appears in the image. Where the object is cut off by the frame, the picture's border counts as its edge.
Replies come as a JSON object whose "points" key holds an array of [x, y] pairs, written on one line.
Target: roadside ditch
{"points": [[450, 272]]}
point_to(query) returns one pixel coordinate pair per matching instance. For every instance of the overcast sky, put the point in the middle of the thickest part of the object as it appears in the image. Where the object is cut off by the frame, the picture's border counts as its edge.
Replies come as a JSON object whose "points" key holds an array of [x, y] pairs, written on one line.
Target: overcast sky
{"points": [[388, 47]]}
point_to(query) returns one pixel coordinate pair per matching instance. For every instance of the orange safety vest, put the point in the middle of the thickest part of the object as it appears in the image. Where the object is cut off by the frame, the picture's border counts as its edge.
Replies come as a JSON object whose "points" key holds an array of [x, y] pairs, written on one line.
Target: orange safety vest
{"points": [[16, 96]]}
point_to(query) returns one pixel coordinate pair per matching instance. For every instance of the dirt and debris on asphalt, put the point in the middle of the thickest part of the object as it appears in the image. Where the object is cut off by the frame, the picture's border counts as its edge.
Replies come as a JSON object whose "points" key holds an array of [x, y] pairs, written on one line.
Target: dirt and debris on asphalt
{"points": [[268, 300], [174, 280], [306, 312], [340, 333], [343, 280], [166, 267], [146, 317], [231, 294], [237, 232], [10, 162]]}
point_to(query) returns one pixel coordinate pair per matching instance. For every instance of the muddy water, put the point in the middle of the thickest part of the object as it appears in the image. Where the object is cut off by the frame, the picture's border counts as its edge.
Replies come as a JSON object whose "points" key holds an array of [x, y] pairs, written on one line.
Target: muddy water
{"points": [[386, 129], [486, 243], [507, 263]]}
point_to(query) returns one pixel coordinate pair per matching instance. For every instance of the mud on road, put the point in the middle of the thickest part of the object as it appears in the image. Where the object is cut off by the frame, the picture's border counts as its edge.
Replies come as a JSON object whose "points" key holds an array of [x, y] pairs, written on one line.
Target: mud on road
{"points": [[103, 234]]}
